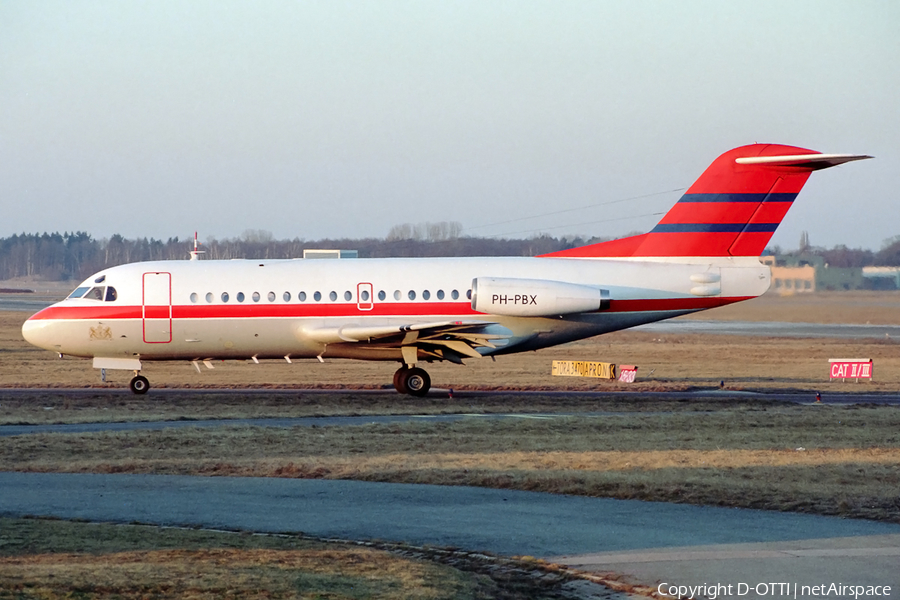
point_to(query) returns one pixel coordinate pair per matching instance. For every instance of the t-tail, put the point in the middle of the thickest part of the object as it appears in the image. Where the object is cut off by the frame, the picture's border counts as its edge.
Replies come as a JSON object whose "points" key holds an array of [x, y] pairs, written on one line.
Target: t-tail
{"points": [[731, 210]]}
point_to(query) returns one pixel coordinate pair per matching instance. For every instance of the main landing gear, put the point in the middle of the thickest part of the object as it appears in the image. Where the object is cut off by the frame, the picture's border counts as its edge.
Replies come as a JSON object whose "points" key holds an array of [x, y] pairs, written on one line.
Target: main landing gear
{"points": [[139, 384], [412, 380]]}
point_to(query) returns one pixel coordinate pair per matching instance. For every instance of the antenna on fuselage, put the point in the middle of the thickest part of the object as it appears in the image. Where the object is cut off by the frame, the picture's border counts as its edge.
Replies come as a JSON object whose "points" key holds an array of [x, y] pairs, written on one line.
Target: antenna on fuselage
{"points": [[195, 253]]}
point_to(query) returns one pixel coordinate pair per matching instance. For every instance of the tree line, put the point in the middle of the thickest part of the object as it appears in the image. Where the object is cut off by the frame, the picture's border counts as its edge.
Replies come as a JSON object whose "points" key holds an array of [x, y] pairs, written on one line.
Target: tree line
{"points": [[65, 256]]}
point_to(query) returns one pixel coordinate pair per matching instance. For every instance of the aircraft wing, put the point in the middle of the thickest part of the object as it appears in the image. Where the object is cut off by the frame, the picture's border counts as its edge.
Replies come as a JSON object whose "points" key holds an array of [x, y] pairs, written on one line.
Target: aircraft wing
{"points": [[446, 340]]}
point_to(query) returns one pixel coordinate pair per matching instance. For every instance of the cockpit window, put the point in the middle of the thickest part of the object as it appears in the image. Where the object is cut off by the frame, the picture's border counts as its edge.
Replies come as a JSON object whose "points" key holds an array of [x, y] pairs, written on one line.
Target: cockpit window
{"points": [[100, 292]]}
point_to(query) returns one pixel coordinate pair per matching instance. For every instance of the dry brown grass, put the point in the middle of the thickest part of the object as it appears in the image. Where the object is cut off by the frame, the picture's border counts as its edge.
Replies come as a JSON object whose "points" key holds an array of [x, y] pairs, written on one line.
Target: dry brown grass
{"points": [[98, 406], [56, 559], [49, 558], [857, 307], [225, 573]]}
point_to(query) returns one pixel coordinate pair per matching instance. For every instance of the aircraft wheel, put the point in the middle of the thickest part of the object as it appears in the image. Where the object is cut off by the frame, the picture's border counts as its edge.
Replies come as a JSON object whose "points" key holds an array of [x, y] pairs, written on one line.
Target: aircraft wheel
{"points": [[417, 382], [400, 380], [139, 384]]}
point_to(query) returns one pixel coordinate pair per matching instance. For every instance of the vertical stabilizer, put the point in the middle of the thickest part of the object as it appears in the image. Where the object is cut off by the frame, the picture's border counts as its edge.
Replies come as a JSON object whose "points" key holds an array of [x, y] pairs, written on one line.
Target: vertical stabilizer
{"points": [[731, 210]]}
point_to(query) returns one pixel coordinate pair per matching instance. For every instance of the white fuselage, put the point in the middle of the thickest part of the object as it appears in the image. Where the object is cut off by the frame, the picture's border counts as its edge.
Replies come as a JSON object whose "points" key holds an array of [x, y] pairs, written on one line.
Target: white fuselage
{"points": [[243, 309]]}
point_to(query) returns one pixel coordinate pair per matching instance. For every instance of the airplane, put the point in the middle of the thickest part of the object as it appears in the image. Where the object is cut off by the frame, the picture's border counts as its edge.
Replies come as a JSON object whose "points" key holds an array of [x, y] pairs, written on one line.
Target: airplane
{"points": [[703, 254]]}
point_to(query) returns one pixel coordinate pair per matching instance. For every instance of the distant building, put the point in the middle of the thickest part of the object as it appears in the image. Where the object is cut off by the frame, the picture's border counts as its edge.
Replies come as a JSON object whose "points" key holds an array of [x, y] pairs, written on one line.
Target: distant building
{"points": [[807, 273], [794, 280], [790, 279], [883, 278], [316, 253]]}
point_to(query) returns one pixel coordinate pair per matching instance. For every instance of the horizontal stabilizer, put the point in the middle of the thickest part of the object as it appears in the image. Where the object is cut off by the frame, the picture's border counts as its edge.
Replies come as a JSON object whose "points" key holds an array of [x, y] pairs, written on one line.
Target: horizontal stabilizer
{"points": [[809, 161]]}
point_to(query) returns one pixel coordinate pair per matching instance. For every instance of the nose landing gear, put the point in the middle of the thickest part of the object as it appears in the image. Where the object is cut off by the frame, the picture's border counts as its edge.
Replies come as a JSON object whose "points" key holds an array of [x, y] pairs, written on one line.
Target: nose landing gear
{"points": [[413, 381]]}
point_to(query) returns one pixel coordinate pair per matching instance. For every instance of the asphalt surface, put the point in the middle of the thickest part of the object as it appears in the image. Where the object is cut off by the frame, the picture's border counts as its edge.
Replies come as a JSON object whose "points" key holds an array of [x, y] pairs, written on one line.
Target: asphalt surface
{"points": [[507, 522], [796, 397], [348, 421], [649, 542], [762, 569]]}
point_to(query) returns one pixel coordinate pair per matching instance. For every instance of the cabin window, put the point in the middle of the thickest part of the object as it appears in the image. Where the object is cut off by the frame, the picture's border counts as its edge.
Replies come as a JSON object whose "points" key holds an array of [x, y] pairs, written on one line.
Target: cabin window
{"points": [[209, 297], [348, 296], [286, 296], [382, 295], [111, 294], [469, 294], [194, 297], [271, 296], [255, 296], [301, 296], [364, 295], [411, 294], [79, 292], [426, 295], [224, 296], [396, 294], [440, 294], [332, 296], [317, 296], [240, 296], [454, 294]]}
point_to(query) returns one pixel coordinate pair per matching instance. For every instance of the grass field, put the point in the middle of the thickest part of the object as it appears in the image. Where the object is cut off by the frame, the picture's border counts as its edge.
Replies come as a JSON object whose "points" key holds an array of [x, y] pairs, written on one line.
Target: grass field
{"points": [[48, 560], [857, 307]]}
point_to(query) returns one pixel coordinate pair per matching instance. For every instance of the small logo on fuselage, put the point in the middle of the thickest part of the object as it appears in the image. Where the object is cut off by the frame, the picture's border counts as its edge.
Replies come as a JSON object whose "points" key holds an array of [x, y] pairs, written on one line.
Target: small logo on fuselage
{"points": [[100, 333]]}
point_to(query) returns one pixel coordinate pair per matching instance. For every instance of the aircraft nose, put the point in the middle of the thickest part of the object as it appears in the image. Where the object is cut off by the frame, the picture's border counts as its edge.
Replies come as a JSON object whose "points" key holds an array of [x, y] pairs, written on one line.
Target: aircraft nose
{"points": [[38, 332]]}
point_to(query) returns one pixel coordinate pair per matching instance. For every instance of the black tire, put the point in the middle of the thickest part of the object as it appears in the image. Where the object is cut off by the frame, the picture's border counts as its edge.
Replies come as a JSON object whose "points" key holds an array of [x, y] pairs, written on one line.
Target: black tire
{"points": [[400, 380], [417, 382], [139, 385]]}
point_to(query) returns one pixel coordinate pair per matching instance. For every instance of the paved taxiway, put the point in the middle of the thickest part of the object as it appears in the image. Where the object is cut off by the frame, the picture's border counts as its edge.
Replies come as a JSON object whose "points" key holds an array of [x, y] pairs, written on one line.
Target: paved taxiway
{"points": [[645, 539], [795, 397], [766, 569], [340, 421]]}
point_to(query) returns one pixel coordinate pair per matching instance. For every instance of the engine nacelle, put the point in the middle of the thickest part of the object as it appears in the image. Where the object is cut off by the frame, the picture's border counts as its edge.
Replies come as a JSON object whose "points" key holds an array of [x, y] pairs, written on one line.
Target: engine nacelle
{"points": [[535, 297]]}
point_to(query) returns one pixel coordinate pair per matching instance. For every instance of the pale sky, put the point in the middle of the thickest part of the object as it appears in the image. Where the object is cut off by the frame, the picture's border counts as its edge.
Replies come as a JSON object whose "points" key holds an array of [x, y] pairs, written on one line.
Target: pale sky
{"points": [[341, 119]]}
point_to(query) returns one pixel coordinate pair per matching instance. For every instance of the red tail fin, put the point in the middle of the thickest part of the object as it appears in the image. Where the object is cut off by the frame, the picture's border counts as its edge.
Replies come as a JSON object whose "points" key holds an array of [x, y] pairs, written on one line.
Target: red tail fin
{"points": [[731, 210]]}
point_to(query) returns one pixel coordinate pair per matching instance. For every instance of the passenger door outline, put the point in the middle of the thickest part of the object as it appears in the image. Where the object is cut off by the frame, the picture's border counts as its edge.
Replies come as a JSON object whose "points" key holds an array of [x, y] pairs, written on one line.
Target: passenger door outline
{"points": [[156, 308]]}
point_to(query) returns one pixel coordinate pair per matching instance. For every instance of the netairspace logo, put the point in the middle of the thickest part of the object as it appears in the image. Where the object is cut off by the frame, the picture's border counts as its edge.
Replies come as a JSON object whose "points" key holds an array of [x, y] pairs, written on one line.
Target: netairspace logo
{"points": [[712, 591]]}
